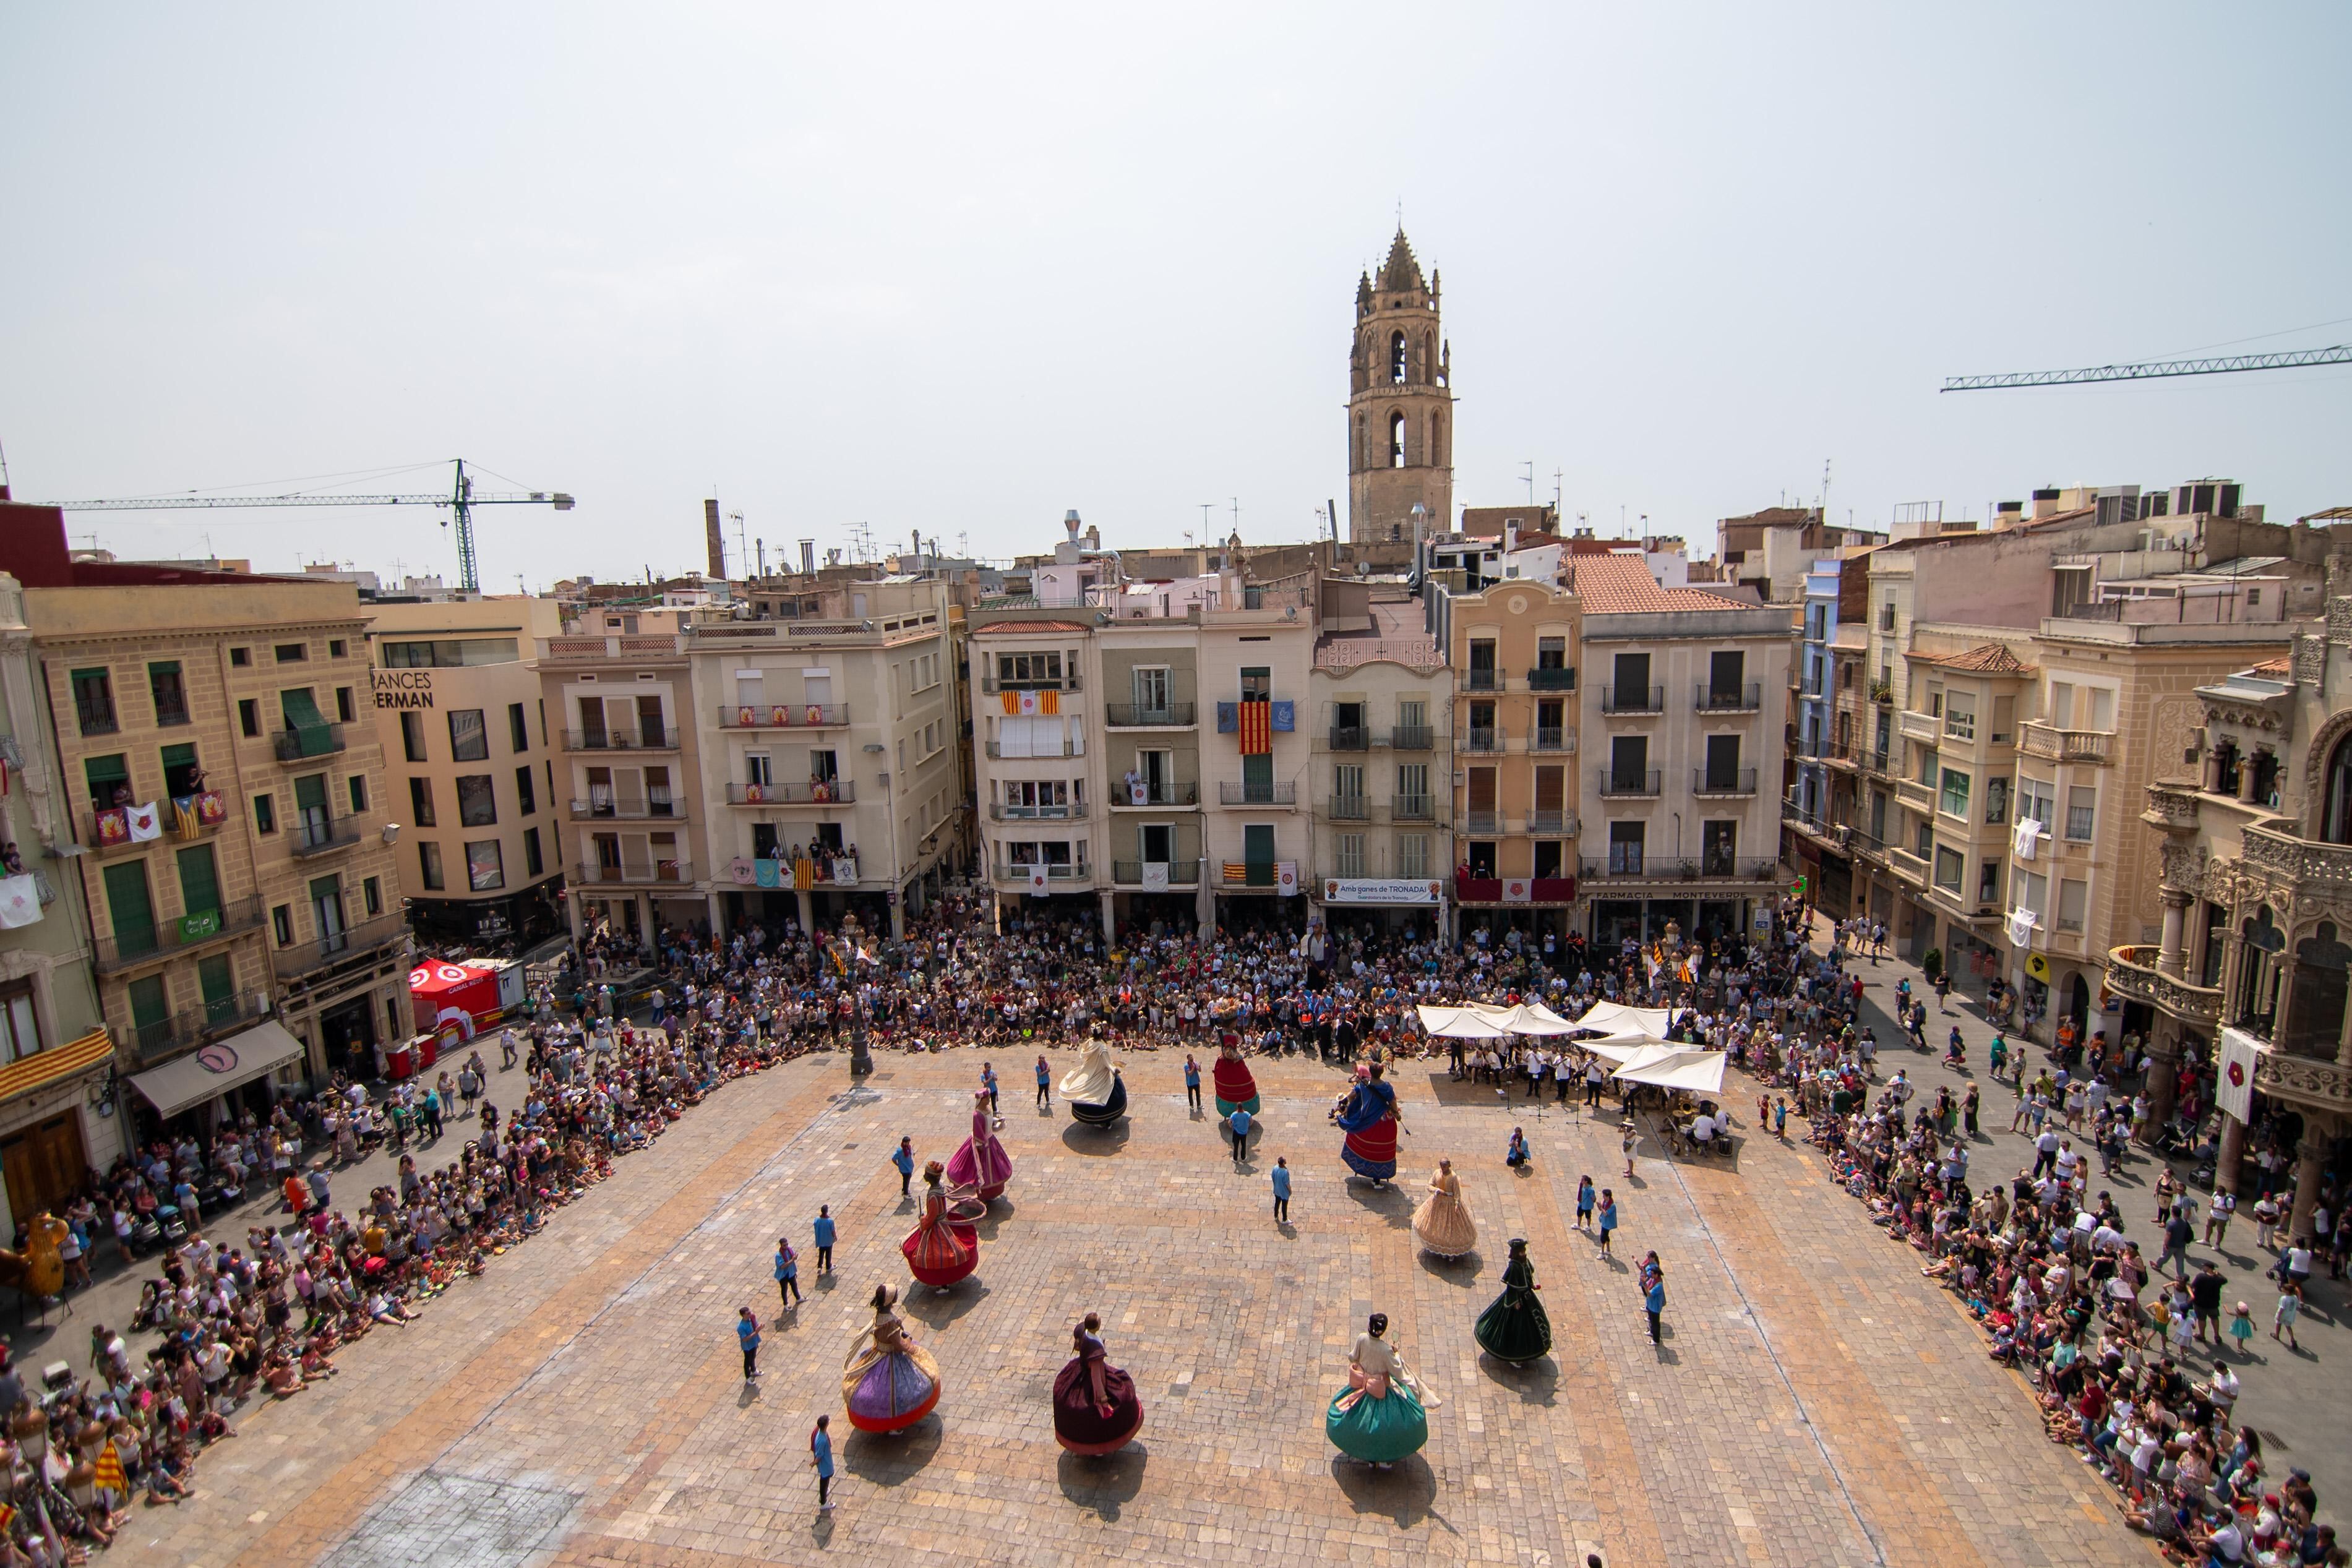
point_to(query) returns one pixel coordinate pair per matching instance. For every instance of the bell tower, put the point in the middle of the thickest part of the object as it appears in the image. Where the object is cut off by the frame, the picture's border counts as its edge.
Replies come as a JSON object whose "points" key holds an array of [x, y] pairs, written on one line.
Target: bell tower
{"points": [[1400, 405]]}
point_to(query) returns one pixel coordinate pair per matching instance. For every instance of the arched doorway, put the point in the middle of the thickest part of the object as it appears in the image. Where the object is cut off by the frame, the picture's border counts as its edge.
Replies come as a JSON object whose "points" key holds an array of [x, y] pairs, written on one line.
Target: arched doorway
{"points": [[2078, 1004], [2257, 1000]]}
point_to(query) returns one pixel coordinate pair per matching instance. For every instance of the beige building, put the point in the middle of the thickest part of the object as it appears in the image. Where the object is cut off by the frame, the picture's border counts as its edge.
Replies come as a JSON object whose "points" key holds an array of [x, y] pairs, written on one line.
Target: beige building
{"points": [[1381, 704], [459, 712], [228, 797], [1399, 407], [60, 1116], [828, 743]]}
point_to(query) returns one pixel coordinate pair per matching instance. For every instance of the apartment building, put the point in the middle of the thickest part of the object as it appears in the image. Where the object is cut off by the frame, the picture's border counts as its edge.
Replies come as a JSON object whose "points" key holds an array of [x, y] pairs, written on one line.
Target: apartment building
{"points": [[1382, 702], [1831, 723], [830, 782], [228, 799], [2251, 828], [618, 689], [58, 1108], [1040, 737], [1677, 739], [1514, 791], [459, 712]]}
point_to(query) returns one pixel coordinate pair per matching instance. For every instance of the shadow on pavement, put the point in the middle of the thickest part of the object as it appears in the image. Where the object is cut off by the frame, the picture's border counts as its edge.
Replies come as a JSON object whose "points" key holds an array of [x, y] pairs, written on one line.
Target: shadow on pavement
{"points": [[887, 1459], [1102, 1483], [1404, 1494]]}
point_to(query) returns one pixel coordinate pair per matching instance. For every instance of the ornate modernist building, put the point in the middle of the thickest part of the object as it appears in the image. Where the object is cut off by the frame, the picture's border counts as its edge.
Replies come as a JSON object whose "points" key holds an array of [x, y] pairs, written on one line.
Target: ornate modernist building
{"points": [[1400, 405]]}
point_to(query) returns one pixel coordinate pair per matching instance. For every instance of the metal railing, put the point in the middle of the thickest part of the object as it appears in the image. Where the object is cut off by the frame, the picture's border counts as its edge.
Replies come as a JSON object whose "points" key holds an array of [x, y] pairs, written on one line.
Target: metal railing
{"points": [[1167, 715], [1550, 737], [1551, 823], [1726, 781], [1628, 782], [1475, 680], [1413, 737], [1560, 680], [1711, 698], [161, 1040], [298, 958], [628, 807], [1476, 821], [781, 716], [1067, 747], [1275, 794], [1488, 740], [120, 949], [1710, 868], [644, 739], [1181, 874], [1350, 809], [633, 872], [816, 792], [1350, 737], [307, 838], [1633, 699], [1413, 807], [1168, 792], [1065, 812], [311, 740], [1079, 872], [993, 683]]}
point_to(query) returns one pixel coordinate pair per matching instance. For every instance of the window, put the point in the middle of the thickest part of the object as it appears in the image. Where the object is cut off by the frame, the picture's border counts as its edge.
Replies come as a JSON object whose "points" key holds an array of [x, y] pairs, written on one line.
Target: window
{"points": [[428, 865], [2073, 901], [292, 653], [1955, 795], [239, 658], [420, 803], [93, 691], [357, 790], [345, 713], [282, 924], [1413, 854], [1988, 882], [1886, 616], [1923, 838], [248, 717], [448, 654], [483, 873], [1351, 854], [1029, 669], [20, 1025], [1948, 869], [1257, 685], [372, 894], [1396, 441], [335, 648], [170, 697], [531, 864], [518, 728], [469, 741], [1625, 840], [477, 802], [1718, 849], [525, 801], [412, 735], [1960, 717], [265, 814], [182, 777], [2032, 892], [2082, 811], [109, 780], [2036, 802]]}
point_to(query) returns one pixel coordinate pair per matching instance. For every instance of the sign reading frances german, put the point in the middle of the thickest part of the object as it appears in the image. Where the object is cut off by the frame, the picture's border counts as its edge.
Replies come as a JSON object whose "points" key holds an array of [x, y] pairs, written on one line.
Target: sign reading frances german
{"points": [[401, 688]]}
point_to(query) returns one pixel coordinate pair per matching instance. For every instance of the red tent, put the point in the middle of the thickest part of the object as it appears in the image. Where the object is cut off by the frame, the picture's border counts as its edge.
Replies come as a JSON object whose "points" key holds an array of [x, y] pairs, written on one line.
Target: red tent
{"points": [[451, 1001]]}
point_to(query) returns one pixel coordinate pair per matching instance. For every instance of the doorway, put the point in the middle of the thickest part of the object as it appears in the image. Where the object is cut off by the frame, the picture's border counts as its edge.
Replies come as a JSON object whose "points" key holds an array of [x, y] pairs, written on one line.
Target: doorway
{"points": [[44, 1164]]}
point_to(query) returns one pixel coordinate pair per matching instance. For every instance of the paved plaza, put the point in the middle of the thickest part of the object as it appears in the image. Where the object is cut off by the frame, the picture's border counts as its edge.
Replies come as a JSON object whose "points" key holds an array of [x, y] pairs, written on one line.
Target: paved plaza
{"points": [[1816, 1401]]}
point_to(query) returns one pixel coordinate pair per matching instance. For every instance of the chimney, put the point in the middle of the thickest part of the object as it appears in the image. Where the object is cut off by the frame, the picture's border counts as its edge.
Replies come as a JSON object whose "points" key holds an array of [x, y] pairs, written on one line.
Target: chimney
{"points": [[918, 534], [2045, 502], [1070, 522], [808, 557], [2009, 514], [1510, 535], [718, 547]]}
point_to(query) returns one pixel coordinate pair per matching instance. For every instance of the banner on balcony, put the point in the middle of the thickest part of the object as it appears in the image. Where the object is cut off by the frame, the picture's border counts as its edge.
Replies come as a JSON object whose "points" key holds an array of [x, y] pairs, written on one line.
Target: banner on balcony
{"points": [[1285, 878], [1155, 876], [1516, 890], [766, 871], [2242, 1054], [1257, 729], [1285, 717], [1380, 890], [144, 822], [20, 900], [2022, 838], [1037, 883]]}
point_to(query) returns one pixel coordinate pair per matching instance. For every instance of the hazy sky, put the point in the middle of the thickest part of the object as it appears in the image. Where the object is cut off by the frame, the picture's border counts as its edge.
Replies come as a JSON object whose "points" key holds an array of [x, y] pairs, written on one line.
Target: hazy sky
{"points": [[966, 268]]}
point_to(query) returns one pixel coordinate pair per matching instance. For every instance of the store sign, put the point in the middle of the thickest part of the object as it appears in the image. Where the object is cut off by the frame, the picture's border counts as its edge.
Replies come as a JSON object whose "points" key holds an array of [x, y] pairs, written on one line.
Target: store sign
{"points": [[1391, 890], [401, 688]]}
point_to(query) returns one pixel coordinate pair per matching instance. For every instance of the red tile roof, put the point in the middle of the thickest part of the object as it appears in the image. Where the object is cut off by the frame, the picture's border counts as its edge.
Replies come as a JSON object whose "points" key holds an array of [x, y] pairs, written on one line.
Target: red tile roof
{"points": [[1011, 628], [1987, 659], [2275, 669], [1622, 585]]}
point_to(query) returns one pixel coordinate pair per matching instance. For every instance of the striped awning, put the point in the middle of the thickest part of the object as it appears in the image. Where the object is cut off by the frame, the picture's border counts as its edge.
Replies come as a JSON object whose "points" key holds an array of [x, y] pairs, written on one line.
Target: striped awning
{"points": [[47, 1067]]}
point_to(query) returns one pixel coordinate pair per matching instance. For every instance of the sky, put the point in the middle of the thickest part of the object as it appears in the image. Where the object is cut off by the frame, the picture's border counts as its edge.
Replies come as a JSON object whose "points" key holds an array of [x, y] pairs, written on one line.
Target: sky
{"points": [[960, 270]]}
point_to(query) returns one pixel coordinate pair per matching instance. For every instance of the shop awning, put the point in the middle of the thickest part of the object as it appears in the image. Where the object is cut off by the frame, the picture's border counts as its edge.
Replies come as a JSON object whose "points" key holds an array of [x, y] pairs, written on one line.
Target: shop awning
{"points": [[218, 1067]]}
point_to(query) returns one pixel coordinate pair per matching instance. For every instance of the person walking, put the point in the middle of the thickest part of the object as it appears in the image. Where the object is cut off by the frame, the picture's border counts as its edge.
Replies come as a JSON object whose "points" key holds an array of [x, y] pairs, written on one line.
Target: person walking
{"points": [[2290, 1305], [821, 1232], [747, 1333], [903, 1156], [1282, 1191], [1241, 1126], [788, 1273], [988, 1082], [1585, 1201], [1607, 1219], [2205, 1295], [1192, 1082], [1654, 1302], [2217, 1217], [820, 1457], [1045, 1086], [1633, 1136], [2177, 1237]]}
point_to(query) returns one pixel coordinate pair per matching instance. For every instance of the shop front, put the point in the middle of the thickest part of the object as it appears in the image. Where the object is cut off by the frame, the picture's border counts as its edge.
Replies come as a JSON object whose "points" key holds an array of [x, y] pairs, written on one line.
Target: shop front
{"points": [[1379, 905], [213, 1082], [58, 1123]]}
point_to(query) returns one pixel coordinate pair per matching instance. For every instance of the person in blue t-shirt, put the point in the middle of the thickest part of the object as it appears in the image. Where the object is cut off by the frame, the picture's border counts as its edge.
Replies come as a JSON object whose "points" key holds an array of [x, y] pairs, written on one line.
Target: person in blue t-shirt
{"points": [[1241, 1126], [747, 1333], [1282, 1191], [822, 1234], [821, 1456]]}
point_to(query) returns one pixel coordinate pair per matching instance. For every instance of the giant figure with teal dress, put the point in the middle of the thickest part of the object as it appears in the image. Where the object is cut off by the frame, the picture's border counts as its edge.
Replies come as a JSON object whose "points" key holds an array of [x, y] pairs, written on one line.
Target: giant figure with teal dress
{"points": [[1514, 1327], [1369, 1116], [1236, 1088], [1378, 1418]]}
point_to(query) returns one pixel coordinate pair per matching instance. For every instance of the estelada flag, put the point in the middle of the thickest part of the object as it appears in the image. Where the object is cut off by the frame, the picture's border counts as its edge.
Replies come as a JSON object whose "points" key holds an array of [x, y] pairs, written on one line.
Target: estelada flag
{"points": [[1257, 729]]}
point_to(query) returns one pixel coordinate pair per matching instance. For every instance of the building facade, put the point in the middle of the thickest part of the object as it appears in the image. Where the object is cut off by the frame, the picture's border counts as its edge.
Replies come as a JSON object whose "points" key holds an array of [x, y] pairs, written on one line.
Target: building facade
{"points": [[1040, 739], [462, 721], [1399, 406], [1381, 725]]}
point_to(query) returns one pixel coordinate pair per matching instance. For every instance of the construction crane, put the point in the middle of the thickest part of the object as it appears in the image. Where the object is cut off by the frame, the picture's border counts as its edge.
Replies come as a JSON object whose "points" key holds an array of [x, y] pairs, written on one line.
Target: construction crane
{"points": [[2339, 355], [461, 500]]}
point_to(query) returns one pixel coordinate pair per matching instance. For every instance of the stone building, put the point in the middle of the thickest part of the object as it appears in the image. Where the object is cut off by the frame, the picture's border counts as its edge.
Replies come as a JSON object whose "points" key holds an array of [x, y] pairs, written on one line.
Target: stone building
{"points": [[1399, 406]]}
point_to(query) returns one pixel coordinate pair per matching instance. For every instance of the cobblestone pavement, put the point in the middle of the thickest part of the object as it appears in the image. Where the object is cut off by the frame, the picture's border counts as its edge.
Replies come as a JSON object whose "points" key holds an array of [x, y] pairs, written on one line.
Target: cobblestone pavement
{"points": [[2288, 1395], [1815, 1402]]}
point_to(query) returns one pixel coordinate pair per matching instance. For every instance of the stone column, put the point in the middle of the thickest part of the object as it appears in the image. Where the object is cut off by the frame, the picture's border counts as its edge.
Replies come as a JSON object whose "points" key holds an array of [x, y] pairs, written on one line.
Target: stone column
{"points": [[2311, 1158], [717, 902], [2171, 955], [1110, 923], [2246, 779], [2344, 1040], [898, 915], [807, 910], [2164, 1046], [2232, 1156]]}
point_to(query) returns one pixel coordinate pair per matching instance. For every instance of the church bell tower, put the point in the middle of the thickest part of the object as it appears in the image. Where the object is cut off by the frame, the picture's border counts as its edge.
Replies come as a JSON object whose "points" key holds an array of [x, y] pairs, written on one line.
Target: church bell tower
{"points": [[1400, 405]]}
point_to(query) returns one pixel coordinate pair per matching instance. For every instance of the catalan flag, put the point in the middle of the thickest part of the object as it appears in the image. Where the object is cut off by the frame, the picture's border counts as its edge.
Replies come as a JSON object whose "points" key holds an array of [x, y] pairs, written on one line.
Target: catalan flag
{"points": [[1049, 702], [1012, 704], [109, 1476], [1257, 729]]}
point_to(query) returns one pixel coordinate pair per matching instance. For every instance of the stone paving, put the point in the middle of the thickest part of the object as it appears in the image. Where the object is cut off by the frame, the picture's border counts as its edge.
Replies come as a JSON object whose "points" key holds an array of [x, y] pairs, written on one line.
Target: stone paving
{"points": [[1816, 1402]]}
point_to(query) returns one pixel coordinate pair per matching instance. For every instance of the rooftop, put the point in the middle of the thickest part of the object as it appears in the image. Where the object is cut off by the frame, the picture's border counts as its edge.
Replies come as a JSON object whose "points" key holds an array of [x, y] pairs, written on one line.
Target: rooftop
{"points": [[1622, 585], [1030, 628], [1987, 659]]}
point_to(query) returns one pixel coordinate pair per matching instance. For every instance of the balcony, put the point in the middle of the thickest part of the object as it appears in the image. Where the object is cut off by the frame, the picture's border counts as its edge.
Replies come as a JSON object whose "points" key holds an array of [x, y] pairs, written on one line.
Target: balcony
{"points": [[627, 809], [1924, 727], [2088, 747], [1560, 680], [1167, 715], [2301, 861], [1490, 889], [1350, 737], [1275, 794], [1723, 782], [1166, 793], [1876, 759], [1624, 867], [995, 684], [1066, 812], [169, 937], [109, 830], [1413, 807], [2171, 808], [1181, 874], [1066, 747], [311, 740], [662, 738], [596, 650], [369, 936], [1553, 738], [1633, 699], [1551, 824], [1487, 740], [1904, 863], [1482, 680], [782, 716], [163, 1038], [1349, 808], [633, 872], [1020, 874], [1486, 825], [2132, 975], [1412, 737], [1915, 794], [815, 792], [1711, 698], [321, 835], [1632, 783]]}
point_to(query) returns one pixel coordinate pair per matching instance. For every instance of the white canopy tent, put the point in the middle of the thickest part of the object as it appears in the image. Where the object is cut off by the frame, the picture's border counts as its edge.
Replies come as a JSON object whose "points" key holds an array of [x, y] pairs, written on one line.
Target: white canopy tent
{"points": [[1619, 1049], [1534, 1017], [1692, 1071], [1472, 1022], [1616, 1017]]}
